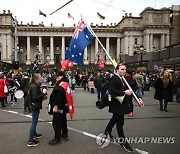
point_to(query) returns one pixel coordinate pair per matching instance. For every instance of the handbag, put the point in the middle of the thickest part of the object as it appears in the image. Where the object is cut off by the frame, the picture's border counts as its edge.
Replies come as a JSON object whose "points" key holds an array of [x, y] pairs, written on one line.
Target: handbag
{"points": [[120, 98], [5, 88]]}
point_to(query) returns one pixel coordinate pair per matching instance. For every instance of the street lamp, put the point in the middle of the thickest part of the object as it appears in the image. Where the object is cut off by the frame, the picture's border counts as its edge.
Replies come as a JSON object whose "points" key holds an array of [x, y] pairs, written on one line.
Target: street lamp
{"points": [[141, 51]]}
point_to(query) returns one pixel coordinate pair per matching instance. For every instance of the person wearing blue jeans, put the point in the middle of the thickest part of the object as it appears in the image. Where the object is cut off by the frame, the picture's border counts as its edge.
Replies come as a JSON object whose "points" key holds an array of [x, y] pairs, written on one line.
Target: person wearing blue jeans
{"points": [[98, 93], [35, 116], [139, 92], [98, 81], [35, 98]]}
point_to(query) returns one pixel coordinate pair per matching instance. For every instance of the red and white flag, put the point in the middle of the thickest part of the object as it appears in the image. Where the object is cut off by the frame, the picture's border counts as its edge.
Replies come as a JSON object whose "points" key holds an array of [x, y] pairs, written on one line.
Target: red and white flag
{"points": [[69, 97], [47, 64], [66, 64], [100, 62]]}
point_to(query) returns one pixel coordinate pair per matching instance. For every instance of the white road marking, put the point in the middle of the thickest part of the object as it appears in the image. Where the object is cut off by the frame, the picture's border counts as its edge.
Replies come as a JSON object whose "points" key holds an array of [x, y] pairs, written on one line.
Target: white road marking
{"points": [[73, 129], [12, 112]]}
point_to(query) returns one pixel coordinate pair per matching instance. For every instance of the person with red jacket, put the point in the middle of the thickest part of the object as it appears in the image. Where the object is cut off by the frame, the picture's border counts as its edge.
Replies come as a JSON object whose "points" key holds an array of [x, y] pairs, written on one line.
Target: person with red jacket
{"points": [[3, 95]]}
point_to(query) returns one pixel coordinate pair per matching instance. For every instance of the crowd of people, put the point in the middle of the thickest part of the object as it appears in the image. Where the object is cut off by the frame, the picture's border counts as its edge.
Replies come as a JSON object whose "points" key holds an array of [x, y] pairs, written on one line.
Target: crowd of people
{"points": [[35, 87]]}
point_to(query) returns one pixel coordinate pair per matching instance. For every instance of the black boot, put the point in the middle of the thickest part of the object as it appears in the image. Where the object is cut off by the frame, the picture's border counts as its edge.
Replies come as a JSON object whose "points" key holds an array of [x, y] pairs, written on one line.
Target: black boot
{"points": [[165, 109], [161, 107], [65, 136]]}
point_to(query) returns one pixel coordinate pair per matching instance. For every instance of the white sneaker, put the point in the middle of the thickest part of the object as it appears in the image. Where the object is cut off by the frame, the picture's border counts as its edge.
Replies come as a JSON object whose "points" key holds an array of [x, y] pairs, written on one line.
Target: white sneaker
{"points": [[14, 104]]}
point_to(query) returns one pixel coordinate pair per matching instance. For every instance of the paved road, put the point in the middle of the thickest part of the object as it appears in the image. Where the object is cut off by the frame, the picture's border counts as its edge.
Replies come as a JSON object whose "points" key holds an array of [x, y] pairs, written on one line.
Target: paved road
{"points": [[149, 124]]}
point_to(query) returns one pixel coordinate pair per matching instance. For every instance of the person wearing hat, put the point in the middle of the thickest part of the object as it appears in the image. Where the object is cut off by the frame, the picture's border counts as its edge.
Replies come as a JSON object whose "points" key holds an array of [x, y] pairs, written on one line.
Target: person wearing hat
{"points": [[59, 107]]}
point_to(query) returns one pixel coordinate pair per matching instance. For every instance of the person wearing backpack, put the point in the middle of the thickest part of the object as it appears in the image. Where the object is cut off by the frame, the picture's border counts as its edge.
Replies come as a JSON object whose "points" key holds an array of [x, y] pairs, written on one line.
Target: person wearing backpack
{"points": [[58, 107], [117, 87]]}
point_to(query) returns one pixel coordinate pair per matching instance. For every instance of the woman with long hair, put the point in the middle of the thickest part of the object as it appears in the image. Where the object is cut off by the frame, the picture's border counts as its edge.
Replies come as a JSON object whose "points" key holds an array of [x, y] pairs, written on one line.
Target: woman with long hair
{"points": [[35, 97], [164, 90]]}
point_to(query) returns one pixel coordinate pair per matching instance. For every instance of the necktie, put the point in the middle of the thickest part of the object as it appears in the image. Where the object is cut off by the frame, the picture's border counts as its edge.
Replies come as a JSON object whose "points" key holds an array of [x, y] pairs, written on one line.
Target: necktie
{"points": [[122, 81]]}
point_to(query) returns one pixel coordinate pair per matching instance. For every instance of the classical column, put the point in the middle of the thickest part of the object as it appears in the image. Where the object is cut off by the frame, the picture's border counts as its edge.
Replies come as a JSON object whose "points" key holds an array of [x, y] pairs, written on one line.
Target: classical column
{"points": [[4, 46], [28, 61], [118, 48], [51, 50], [63, 48], [107, 48], [131, 47], [167, 39], [151, 43], [162, 41], [91, 59], [96, 50], [147, 42], [122, 45], [40, 50], [85, 56], [9, 47], [126, 45]]}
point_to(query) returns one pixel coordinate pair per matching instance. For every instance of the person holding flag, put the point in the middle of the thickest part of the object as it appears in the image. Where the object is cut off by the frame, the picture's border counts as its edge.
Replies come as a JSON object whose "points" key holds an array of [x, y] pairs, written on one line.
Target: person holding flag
{"points": [[61, 103]]}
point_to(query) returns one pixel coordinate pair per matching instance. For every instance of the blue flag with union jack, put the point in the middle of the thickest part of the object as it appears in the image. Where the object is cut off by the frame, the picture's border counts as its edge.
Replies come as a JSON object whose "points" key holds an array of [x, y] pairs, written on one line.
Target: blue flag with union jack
{"points": [[35, 65], [81, 38]]}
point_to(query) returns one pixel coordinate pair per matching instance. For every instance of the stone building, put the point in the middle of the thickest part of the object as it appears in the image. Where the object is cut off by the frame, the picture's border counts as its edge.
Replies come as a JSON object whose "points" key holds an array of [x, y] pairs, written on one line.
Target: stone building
{"points": [[175, 21], [151, 29]]}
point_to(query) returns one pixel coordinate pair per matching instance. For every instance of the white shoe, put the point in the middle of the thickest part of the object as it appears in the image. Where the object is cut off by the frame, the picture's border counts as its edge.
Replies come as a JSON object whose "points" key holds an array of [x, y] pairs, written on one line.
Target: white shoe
{"points": [[14, 104]]}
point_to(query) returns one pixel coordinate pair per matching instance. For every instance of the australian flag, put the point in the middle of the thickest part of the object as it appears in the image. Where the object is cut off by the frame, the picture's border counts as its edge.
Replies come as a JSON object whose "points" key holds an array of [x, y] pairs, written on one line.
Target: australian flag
{"points": [[81, 38]]}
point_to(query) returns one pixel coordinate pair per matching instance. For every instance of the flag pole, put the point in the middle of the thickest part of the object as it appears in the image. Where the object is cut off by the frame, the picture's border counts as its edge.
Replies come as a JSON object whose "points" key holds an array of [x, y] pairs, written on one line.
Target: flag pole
{"points": [[107, 53]]}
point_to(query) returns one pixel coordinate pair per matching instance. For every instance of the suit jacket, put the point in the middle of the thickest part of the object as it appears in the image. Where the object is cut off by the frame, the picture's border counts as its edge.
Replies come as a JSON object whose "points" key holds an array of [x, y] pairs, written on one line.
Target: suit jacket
{"points": [[117, 88]]}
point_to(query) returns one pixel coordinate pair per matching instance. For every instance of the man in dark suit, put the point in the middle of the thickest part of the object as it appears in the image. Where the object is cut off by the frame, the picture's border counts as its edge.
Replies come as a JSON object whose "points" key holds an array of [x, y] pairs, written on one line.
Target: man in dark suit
{"points": [[117, 88]]}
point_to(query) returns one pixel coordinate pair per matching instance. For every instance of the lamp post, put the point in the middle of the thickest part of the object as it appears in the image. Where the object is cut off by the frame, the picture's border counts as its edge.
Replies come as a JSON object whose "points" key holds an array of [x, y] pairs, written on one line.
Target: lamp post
{"points": [[141, 51]]}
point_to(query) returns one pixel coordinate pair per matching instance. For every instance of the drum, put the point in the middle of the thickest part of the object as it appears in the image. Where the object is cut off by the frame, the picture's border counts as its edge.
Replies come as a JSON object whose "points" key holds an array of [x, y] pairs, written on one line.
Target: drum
{"points": [[19, 94]]}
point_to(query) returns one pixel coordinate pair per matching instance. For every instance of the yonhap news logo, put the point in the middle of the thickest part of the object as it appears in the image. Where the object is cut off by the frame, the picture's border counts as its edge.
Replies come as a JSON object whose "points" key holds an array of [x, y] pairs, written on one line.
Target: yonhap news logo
{"points": [[103, 140], [144, 140]]}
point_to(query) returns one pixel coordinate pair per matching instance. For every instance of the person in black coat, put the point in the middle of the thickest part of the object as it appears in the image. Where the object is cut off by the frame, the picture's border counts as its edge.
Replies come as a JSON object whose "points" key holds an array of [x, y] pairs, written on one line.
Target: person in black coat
{"points": [[164, 90], [98, 82], [59, 107], [35, 97], [116, 88], [25, 85]]}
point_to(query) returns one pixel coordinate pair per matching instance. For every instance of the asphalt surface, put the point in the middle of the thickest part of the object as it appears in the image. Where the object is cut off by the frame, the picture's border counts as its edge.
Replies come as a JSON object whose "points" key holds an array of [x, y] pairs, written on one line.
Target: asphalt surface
{"points": [[150, 130]]}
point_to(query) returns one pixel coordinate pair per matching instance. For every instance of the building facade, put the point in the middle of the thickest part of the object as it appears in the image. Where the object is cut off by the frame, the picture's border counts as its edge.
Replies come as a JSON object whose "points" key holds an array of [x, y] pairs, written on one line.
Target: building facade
{"points": [[151, 29]]}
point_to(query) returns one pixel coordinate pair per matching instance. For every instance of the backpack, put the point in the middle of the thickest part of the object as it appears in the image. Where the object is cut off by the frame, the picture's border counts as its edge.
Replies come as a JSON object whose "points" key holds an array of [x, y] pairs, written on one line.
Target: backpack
{"points": [[104, 101]]}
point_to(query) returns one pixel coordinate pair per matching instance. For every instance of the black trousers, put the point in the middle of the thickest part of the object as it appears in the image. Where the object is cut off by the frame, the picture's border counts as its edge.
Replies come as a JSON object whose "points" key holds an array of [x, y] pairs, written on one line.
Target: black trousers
{"points": [[59, 124], [119, 121]]}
